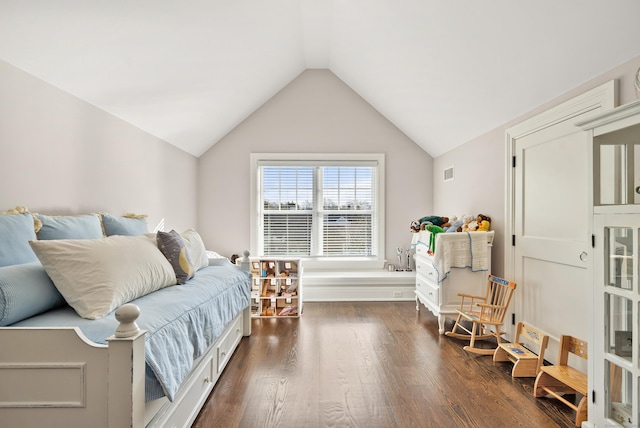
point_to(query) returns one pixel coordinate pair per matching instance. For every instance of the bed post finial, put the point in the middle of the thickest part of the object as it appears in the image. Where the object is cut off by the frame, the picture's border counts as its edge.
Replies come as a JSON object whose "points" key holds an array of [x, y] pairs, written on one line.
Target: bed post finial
{"points": [[127, 315], [244, 261]]}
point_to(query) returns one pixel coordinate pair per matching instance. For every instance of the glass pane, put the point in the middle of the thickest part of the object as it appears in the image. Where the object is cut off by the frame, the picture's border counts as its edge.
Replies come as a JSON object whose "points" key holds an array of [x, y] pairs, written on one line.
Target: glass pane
{"points": [[347, 188], [619, 328], [347, 235], [619, 383], [287, 234], [619, 257], [613, 172]]}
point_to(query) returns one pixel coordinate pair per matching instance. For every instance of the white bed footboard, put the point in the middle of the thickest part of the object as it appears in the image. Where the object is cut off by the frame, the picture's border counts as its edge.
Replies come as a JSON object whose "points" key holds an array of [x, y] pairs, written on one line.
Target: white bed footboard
{"points": [[56, 377]]}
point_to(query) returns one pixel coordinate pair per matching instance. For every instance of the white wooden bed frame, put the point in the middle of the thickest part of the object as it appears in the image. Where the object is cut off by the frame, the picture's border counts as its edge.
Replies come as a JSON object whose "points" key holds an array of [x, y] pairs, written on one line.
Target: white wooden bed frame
{"points": [[101, 385]]}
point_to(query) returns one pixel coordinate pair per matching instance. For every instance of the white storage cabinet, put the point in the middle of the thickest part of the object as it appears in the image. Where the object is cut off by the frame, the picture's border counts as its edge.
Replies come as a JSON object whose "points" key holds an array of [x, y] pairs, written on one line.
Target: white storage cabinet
{"points": [[441, 296]]}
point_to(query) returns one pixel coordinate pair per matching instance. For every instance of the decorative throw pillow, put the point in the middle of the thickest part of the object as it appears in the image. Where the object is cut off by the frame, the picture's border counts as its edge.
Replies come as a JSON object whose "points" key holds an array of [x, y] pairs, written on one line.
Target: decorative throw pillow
{"points": [[196, 248], [25, 291], [16, 231], [86, 226], [173, 248], [96, 276], [130, 225]]}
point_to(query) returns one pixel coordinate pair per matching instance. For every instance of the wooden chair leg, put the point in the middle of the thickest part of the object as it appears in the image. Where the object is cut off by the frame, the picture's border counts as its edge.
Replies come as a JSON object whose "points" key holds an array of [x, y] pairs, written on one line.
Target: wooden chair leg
{"points": [[454, 330], [474, 330], [581, 413]]}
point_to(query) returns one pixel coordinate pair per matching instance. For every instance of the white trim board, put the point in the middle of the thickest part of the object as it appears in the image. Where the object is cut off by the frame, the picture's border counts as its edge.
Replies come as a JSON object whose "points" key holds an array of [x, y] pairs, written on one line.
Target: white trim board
{"points": [[379, 285]]}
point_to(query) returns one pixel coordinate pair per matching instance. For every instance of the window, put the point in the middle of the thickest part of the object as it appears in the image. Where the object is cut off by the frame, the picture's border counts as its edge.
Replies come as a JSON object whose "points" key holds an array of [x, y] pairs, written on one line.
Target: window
{"points": [[307, 206]]}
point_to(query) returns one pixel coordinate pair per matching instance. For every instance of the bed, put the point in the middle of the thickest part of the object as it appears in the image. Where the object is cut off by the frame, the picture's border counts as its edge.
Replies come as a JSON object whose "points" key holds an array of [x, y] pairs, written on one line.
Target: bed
{"points": [[150, 361]]}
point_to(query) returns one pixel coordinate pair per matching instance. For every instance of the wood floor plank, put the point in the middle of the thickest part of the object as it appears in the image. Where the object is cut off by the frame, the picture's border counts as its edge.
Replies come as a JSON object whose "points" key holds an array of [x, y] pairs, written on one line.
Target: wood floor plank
{"points": [[369, 364]]}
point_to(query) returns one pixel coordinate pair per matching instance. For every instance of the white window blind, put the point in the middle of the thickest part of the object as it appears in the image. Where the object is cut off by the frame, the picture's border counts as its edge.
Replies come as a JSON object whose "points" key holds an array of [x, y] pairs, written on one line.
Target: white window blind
{"points": [[318, 208]]}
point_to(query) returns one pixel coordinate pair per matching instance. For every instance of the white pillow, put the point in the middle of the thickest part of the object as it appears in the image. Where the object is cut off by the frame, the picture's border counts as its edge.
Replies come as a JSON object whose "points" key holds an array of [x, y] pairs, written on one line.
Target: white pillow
{"points": [[96, 276], [195, 248]]}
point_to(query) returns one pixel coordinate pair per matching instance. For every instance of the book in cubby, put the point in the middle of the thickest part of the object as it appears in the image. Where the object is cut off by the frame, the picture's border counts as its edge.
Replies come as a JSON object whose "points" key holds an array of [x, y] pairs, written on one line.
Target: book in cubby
{"points": [[276, 289]]}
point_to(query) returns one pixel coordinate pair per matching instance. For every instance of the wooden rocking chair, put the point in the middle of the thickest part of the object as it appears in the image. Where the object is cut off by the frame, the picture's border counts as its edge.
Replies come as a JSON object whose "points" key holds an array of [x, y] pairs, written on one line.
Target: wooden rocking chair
{"points": [[486, 313]]}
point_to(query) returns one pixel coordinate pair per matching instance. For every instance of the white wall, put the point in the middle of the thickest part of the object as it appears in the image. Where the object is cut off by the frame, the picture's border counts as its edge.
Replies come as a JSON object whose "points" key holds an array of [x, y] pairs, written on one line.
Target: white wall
{"points": [[315, 113], [61, 155], [479, 184]]}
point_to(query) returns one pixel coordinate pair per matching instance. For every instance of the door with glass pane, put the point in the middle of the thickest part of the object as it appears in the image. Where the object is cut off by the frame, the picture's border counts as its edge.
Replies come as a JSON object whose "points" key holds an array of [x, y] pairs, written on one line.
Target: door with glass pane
{"points": [[616, 301]]}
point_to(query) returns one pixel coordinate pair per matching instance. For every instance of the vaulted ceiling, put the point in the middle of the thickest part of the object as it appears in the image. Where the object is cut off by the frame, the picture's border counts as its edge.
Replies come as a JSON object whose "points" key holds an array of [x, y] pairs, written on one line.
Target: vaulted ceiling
{"points": [[444, 72]]}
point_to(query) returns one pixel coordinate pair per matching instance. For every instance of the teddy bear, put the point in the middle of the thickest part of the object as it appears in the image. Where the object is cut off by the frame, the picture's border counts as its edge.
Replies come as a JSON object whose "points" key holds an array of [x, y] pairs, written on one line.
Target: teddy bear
{"points": [[484, 222], [465, 224]]}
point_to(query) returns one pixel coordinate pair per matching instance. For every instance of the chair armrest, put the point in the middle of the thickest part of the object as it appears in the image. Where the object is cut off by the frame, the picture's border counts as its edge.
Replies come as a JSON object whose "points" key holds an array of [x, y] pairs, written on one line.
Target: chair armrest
{"points": [[471, 296], [488, 306], [468, 301]]}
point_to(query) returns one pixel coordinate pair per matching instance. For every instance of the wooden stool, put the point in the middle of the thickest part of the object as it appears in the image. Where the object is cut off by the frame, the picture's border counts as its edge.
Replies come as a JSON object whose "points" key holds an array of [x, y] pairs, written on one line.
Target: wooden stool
{"points": [[526, 362], [563, 379]]}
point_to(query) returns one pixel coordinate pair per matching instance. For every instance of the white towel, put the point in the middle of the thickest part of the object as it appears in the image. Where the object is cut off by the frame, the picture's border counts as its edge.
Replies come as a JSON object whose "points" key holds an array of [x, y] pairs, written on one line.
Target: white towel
{"points": [[460, 250]]}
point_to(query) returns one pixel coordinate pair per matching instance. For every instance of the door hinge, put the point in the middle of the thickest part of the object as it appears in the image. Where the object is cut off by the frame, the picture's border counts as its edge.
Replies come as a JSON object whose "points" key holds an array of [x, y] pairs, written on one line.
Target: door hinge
{"points": [[513, 240], [593, 241], [593, 395], [513, 319], [513, 161]]}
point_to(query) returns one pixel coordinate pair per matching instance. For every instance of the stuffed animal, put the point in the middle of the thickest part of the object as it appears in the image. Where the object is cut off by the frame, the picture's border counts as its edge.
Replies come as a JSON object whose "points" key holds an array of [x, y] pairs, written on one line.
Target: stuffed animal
{"points": [[484, 222], [472, 226], [465, 224], [420, 224], [455, 225], [432, 237]]}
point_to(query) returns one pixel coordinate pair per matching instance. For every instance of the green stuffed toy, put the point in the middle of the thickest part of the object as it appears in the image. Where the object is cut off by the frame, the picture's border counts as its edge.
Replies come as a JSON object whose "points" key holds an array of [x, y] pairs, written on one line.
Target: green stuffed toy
{"points": [[432, 237]]}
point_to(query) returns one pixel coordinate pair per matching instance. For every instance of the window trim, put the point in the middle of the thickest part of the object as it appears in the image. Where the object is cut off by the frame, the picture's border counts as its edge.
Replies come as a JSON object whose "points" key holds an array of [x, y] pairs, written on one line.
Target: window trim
{"points": [[257, 158]]}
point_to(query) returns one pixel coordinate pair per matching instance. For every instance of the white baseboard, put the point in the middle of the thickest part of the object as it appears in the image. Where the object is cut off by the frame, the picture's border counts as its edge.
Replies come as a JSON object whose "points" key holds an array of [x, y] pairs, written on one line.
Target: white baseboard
{"points": [[358, 293], [367, 285]]}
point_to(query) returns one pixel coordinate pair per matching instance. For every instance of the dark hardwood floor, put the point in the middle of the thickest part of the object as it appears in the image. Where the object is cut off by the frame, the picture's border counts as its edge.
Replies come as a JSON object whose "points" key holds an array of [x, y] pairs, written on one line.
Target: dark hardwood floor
{"points": [[369, 364]]}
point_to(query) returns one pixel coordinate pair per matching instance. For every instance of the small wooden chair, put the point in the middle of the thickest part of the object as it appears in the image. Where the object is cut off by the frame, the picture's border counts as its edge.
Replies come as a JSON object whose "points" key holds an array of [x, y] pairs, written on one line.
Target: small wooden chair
{"points": [[563, 379], [526, 362], [485, 312]]}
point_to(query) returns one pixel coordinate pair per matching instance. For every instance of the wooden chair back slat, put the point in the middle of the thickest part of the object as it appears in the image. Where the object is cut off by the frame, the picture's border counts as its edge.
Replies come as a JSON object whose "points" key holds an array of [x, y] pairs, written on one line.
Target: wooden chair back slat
{"points": [[486, 313]]}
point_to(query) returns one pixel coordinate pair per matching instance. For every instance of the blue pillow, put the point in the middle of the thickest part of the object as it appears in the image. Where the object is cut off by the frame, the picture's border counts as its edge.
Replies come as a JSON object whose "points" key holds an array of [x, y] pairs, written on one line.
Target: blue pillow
{"points": [[130, 226], [85, 226], [16, 230], [26, 290]]}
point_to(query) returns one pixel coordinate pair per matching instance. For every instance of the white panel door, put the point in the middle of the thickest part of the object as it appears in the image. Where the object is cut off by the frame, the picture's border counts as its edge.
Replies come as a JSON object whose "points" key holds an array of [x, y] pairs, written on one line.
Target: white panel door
{"points": [[549, 213], [552, 230]]}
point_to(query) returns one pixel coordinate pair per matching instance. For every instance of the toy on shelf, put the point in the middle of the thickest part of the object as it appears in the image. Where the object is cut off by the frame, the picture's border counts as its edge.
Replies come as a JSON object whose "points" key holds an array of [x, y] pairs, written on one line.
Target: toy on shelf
{"points": [[418, 225], [456, 223], [463, 223], [484, 222]]}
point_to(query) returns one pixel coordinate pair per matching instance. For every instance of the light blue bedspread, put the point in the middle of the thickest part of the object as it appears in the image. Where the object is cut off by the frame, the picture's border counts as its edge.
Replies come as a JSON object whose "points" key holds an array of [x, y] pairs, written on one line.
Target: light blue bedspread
{"points": [[181, 320]]}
